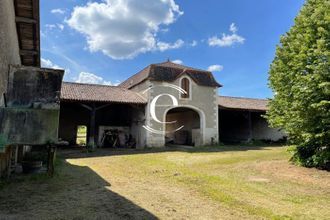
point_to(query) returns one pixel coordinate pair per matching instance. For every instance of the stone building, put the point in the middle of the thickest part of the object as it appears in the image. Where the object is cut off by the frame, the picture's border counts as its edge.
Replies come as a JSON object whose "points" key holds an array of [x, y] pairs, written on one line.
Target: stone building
{"points": [[29, 95], [165, 103]]}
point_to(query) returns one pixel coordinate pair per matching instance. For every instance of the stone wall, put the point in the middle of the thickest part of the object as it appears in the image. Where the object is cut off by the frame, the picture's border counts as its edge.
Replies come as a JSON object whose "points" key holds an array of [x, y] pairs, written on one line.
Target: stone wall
{"points": [[262, 131], [140, 117], [203, 100], [32, 112], [235, 128], [138, 132], [9, 50]]}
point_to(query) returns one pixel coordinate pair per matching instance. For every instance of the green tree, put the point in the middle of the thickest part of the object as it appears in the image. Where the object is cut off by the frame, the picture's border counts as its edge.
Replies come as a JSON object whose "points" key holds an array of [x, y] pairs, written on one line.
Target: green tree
{"points": [[300, 79]]}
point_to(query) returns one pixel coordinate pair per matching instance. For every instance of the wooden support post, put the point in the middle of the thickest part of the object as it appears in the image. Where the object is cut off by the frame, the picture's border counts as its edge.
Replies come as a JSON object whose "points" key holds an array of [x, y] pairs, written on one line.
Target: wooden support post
{"points": [[250, 126], [91, 131], [91, 140], [92, 124], [51, 160]]}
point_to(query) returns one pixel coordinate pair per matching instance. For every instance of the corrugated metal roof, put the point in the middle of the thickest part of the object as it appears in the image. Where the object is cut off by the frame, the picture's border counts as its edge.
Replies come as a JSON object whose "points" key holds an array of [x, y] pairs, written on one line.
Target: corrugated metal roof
{"points": [[99, 93], [228, 102]]}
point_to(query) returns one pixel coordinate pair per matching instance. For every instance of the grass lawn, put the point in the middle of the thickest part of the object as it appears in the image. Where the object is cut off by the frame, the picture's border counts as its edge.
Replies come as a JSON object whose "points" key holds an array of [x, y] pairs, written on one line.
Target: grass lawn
{"points": [[199, 183]]}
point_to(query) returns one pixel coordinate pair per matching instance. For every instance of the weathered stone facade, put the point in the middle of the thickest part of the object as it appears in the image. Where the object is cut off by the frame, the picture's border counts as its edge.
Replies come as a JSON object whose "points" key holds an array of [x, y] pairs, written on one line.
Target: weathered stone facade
{"points": [[203, 100], [29, 95], [32, 106], [9, 49]]}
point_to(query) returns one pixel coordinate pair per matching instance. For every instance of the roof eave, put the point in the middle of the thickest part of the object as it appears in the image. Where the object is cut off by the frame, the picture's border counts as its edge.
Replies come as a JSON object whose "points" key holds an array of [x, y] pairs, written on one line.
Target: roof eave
{"points": [[242, 109], [101, 101], [24, 24]]}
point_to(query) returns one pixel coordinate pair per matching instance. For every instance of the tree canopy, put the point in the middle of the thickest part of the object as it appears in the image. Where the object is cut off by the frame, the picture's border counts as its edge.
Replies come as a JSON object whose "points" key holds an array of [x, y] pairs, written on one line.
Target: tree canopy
{"points": [[300, 79]]}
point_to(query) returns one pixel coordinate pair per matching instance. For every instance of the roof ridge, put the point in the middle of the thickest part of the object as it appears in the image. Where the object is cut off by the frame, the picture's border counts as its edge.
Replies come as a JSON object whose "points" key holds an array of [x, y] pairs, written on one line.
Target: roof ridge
{"points": [[148, 73], [91, 84], [182, 66], [236, 97], [123, 83]]}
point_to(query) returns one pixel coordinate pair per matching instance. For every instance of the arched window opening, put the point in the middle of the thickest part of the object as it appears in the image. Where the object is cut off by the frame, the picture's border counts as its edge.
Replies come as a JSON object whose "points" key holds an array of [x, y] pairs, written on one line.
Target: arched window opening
{"points": [[185, 85]]}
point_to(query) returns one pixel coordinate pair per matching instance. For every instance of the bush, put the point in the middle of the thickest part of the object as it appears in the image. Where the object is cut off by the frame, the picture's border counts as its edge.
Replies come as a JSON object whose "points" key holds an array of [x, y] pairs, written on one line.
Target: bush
{"points": [[310, 156]]}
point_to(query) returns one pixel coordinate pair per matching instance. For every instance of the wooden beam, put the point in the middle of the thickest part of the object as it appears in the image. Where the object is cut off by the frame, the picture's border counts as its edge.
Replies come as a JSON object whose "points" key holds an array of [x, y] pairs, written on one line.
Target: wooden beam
{"points": [[87, 107], [28, 52], [102, 106], [25, 20], [51, 160], [36, 15], [92, 123]]}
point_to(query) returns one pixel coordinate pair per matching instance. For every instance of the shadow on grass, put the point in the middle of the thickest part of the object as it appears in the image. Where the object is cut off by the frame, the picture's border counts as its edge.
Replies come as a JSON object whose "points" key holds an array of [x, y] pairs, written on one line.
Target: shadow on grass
{"points": [[76, 192], [100, 152]]}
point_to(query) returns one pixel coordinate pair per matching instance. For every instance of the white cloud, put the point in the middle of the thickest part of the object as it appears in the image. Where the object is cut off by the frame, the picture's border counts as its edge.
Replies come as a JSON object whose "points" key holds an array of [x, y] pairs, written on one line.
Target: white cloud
{"points": [[233, 28], [51, 27], [60, 26], [164, 30], [49, 64], [46, 63], [215, 68], [227, 40], [162, 46], [123, 29], [85, 77], [57, 11], [177, 61], [194, 43], [42, 34]]}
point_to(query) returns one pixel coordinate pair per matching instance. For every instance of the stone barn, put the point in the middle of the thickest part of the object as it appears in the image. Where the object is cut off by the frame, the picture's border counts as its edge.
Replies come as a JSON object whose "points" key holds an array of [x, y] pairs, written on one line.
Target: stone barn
{"points": [[99, 107], [241, 120], [29, 95], [163, 104]]}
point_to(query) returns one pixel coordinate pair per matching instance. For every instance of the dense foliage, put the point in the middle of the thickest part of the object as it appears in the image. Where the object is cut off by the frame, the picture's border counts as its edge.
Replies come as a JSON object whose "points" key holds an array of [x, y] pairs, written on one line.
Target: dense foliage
{"points": [[300, 80]]}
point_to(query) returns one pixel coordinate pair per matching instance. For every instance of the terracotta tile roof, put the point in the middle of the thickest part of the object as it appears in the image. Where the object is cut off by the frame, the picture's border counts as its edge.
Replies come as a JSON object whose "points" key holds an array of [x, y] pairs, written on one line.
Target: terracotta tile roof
{"points": [[116, 94], [99, 93], [168, 72], [178, 66], [228, 102], [136, 78]]}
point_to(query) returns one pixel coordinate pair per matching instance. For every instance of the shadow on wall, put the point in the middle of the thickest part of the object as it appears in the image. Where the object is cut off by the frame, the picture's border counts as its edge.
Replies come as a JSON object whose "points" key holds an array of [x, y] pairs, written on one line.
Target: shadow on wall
{"points": [[76, 192]]}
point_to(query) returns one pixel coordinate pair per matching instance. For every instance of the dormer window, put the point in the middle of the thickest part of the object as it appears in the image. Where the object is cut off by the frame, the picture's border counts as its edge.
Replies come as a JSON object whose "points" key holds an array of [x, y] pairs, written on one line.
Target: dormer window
{"points": [[185, 85]]}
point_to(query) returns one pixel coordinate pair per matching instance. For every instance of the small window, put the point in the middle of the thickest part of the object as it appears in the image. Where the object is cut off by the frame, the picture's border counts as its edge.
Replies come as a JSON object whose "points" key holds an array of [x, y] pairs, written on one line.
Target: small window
{"points": [[81, 135], [185, 85]]}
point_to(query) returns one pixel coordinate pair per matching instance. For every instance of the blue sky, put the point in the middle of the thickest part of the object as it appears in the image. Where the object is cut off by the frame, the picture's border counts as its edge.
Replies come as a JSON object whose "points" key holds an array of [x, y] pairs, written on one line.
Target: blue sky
{"points": [[106, 42]]}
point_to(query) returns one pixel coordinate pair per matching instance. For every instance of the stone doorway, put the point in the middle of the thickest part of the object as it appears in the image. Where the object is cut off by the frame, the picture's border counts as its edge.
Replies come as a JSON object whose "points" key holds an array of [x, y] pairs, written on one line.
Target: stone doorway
{"points": [[190, 134]]}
